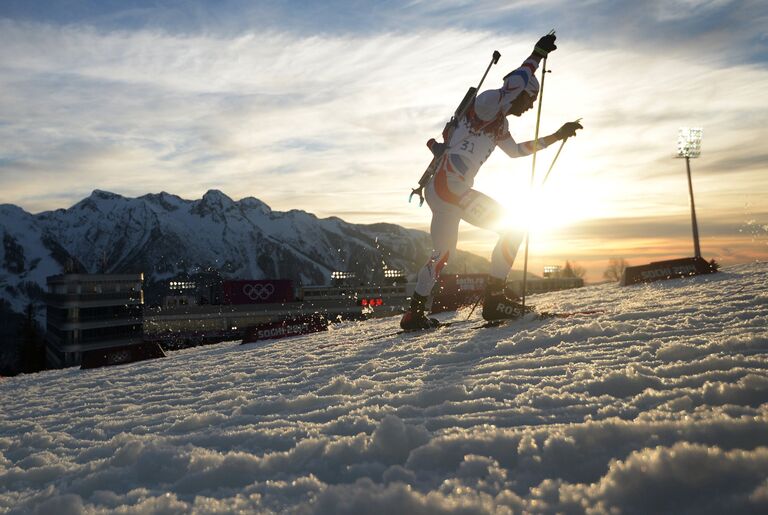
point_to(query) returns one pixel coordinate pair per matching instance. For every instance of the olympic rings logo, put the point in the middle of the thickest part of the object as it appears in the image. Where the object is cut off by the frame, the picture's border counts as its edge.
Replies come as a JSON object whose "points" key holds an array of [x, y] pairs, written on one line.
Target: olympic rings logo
{"points": [[258, 291]]}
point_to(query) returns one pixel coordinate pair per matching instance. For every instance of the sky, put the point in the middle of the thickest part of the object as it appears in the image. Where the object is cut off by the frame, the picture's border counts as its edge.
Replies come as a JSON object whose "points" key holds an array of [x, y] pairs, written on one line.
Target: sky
{"points": [[326, 107], [634, 409]]}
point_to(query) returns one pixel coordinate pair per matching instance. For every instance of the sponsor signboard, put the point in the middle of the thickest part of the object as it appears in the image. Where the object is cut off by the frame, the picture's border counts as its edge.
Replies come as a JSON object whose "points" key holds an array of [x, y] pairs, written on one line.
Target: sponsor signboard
{"points": [[670, 269], [258, 291], [293, 326]]}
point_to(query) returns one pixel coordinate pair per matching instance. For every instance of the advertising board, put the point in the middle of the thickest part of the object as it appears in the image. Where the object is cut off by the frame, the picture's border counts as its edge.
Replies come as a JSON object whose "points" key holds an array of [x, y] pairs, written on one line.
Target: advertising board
{"points": [[258, 291], [670, 269], [291, 326]]}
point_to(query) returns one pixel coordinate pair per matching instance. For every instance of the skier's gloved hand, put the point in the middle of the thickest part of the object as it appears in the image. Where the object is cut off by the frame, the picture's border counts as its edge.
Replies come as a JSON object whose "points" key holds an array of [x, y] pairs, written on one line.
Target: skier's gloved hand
{"points": [[545, 45], [568, 130]]}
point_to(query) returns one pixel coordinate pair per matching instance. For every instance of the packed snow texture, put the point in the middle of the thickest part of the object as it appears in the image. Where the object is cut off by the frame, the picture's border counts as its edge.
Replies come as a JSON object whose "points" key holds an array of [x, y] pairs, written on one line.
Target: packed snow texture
{"points": [[659, 403]]}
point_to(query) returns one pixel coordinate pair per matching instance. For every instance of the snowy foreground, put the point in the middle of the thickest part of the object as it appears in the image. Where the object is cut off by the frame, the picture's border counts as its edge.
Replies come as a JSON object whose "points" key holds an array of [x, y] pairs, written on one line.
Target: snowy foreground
{"points": [[657, 404]]}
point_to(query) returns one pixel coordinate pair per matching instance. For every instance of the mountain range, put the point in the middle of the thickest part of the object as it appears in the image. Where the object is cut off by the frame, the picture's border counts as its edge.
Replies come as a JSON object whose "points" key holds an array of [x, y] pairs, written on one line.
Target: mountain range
{"points": [[165, 236]]}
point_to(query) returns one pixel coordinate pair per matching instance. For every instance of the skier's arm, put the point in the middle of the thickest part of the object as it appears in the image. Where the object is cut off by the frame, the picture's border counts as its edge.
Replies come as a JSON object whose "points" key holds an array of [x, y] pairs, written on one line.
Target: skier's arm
{"points": [[514, 149], [516, 81], [488, 103]]}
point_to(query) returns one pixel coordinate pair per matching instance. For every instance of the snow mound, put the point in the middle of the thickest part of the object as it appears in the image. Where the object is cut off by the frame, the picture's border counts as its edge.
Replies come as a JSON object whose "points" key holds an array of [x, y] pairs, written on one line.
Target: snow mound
{"points": [[657, 403]]}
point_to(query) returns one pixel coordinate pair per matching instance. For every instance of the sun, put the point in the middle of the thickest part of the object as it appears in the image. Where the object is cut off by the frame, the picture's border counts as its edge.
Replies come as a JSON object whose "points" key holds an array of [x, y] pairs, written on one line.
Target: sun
{"points": [[566, 199]]}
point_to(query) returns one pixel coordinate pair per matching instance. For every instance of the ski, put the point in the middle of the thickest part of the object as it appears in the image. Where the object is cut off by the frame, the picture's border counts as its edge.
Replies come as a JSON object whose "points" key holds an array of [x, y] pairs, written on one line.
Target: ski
{"points": [[544, 315], [441, 325]]}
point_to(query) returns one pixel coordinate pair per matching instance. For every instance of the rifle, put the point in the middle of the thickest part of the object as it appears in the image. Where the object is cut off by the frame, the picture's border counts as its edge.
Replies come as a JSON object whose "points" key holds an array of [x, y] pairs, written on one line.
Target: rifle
{"points": [[438, 149]]}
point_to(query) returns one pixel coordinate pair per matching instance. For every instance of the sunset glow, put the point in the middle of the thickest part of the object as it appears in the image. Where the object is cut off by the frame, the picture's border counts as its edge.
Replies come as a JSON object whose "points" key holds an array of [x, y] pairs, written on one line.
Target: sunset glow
{"points": [[330, 114]]}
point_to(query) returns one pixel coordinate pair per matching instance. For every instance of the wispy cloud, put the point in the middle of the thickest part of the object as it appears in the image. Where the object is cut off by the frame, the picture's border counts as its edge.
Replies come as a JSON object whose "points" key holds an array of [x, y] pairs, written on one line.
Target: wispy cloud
{"points": [[327, 108]]}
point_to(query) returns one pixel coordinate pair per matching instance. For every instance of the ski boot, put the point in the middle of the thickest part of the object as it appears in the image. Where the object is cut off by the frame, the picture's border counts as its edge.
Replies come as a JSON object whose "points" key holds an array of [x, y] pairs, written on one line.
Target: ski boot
{"points": [[497, 305], [414, 319]]}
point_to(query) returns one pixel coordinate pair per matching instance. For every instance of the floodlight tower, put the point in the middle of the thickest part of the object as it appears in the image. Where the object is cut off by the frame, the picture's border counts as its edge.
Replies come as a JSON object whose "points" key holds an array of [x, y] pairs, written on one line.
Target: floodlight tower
{"points": [[689, 147]]}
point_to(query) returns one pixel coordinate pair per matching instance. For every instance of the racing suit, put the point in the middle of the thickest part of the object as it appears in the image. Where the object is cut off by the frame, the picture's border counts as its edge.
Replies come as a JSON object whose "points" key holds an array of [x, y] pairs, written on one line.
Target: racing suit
{"points": [[449, 193]]}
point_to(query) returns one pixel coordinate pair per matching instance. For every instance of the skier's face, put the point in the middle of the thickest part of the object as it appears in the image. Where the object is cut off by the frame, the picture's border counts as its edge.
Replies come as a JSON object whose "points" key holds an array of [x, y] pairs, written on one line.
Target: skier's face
{"points": [[521, 104]]}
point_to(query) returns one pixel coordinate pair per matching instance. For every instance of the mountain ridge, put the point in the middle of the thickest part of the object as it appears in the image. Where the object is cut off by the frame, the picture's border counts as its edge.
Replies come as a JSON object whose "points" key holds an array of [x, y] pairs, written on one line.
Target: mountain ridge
{"points": [[163, 235]]}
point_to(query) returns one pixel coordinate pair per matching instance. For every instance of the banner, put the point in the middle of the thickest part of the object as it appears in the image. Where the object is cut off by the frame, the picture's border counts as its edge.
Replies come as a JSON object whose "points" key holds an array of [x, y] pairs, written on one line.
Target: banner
{"points": [[670, 269], [293, 326], [258, 291]]}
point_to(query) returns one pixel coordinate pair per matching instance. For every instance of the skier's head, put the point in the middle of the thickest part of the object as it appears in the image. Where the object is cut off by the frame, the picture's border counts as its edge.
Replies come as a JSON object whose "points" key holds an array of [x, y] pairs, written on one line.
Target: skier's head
{"points": [[525, 100], [521, 104], [532, 88]]}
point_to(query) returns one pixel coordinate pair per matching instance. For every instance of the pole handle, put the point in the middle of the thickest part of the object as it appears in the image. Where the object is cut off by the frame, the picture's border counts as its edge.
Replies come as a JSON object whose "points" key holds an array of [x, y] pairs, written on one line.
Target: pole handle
{"points": [[494, 60], [555, 158]]}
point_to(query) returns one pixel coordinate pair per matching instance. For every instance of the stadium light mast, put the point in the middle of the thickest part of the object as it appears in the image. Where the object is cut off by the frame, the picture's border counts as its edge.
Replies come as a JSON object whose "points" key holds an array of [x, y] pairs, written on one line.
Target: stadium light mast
{"points": [[689, 147]]}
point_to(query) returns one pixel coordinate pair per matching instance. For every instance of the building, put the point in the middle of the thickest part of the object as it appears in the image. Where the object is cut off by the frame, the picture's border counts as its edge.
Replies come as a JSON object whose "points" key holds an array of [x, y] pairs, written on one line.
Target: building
{"points": [[455, 290], [87, 313], [184, 325]]}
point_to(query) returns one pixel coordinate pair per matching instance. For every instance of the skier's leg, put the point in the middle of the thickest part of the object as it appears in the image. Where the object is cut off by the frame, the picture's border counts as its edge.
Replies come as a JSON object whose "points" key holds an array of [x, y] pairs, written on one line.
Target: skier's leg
{"points": [[482, 211], [443, 196], [503, 255], [444, 229]]}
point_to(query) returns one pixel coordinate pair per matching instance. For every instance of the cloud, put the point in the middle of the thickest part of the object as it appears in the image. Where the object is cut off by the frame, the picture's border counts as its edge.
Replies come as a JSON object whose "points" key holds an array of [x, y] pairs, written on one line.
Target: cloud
{"points": [[736, 164], [700, 24], [216, 111], [660, 227], [333, 120]]}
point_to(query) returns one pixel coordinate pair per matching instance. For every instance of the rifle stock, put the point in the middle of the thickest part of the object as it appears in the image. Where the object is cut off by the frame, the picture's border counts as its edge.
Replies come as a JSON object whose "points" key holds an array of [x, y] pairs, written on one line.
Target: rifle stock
{"points": [[448, 130]]}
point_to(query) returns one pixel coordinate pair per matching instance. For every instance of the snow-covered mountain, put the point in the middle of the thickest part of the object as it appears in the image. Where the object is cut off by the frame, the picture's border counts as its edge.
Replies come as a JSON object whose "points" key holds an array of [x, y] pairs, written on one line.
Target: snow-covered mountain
{"points": [[656, 404], [163, 235]]}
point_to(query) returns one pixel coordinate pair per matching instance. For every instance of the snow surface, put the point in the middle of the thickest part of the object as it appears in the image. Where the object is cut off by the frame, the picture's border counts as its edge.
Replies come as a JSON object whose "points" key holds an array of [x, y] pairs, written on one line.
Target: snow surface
{"points": [[657, 404]]}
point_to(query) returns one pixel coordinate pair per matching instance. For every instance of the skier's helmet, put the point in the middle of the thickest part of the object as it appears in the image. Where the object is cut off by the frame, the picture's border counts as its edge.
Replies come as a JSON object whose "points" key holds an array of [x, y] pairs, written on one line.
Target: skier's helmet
{"points": [[532, 88]]}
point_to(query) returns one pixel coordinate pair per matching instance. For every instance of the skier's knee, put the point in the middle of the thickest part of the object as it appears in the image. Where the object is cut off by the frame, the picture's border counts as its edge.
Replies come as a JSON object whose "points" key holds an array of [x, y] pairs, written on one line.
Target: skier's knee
{"points": [[437, 261]]}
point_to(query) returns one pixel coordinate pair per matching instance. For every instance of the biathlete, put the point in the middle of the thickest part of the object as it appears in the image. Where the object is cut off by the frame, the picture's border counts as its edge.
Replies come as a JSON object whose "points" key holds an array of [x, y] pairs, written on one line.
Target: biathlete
{"points": [[451, 198]]}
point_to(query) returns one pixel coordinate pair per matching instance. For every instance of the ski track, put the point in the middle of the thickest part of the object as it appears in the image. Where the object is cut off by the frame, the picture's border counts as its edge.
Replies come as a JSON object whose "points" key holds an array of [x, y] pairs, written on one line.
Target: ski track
{"points": [[657, 404]]}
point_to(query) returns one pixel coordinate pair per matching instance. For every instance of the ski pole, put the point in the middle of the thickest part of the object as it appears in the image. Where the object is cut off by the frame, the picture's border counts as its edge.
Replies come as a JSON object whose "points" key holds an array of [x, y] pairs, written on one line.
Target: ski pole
{"points": [[479, 298], [555, 159], [553, 162], [533, 169]]}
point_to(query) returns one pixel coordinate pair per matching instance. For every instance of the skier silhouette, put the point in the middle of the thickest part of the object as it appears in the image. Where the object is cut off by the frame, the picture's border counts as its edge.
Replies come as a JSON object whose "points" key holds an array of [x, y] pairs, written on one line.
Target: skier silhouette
{"points": [[451, 198]]}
